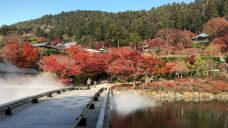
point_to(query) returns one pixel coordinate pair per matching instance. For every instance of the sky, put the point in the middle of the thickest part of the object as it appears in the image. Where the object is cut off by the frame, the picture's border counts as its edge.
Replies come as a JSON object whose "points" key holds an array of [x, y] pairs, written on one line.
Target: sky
{"points": [[13, 11]]}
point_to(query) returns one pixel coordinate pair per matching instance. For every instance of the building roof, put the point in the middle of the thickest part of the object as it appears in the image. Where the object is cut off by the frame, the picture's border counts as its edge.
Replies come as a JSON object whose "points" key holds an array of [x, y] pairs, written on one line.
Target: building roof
{"points": [[40, 44], [66, 45], [101, 49], [8, 68], [91, 50], [46, 44], [202, 35]]}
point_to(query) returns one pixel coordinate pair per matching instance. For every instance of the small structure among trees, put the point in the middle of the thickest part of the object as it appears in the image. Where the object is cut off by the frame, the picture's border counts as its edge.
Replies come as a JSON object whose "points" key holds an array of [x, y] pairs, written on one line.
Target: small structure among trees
{"points": [[201, 37], [201, 41]]}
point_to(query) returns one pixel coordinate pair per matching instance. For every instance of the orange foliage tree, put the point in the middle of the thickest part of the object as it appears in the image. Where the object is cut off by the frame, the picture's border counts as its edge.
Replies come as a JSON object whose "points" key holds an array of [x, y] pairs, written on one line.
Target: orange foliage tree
{"points": [[222, 42], [43, 39], [152, 67], [175, 37], [20, 55], [92, 64], [126, 58], [215, 26], [64, 67]]}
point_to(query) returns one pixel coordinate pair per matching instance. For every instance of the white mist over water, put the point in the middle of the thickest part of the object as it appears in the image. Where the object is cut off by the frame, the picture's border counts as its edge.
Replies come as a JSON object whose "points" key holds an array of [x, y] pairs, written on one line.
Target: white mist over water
{"points": [[128, 103], [13, 87]]}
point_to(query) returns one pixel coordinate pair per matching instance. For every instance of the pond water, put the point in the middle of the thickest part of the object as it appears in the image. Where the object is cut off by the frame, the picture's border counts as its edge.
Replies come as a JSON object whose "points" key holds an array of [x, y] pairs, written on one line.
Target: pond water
{"points": [[133, 112]]}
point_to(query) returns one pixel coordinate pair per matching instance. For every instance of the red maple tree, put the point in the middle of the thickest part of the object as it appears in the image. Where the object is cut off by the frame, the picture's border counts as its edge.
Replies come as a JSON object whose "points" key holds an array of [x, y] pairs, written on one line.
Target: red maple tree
{"points": [[152, 67], [64, 67], [20, 55], [93, 65], [122, 68], [215, 26]]}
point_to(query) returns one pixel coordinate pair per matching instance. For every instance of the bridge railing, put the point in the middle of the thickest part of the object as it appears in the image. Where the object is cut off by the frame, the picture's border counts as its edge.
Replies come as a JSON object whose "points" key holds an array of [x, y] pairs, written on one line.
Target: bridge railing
{"points": [[81, 120], [7, 108]]}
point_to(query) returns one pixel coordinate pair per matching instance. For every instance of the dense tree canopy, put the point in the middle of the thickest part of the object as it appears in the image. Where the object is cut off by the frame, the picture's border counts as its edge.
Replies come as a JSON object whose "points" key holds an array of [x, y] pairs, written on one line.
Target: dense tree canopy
{"points": [[20, 55], [214, 27], [123, 27], [64, 67]]}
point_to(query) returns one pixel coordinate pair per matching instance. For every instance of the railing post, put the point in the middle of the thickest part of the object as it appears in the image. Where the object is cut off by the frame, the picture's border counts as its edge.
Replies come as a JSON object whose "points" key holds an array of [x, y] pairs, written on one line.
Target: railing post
{"points": [[82, 122], [8, 111], [98, 94], [91, 106], [49, 95], [58, 92], [35, 101], [95, 98]]}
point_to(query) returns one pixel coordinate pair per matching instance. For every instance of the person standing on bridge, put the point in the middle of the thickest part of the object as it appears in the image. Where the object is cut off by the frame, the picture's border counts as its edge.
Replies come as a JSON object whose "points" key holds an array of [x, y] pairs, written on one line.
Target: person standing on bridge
{"points": [[88, 82]]}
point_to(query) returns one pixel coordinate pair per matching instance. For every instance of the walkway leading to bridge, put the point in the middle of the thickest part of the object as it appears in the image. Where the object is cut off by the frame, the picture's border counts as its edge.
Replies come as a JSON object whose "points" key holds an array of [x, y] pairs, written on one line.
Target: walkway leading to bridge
{"points": [[59, 111]]}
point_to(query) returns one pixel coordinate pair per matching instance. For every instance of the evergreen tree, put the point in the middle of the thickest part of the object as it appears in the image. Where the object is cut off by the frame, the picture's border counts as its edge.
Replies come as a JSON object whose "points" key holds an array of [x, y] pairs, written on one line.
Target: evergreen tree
{"points": [[115, 27], [225, 11], [39, 32], [134, 39], [211, 10]]}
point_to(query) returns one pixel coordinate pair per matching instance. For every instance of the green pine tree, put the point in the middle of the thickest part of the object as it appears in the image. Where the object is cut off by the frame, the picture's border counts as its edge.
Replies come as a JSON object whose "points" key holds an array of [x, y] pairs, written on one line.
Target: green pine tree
{"points": [[211, 10], [225, 11]]}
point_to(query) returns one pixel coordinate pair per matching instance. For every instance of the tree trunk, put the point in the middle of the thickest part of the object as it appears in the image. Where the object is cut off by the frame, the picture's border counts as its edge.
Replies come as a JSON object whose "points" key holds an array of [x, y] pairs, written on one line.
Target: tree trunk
{"points": [[146, 79], [198, 73], [118, 44], [151, 78], [134, 85]]}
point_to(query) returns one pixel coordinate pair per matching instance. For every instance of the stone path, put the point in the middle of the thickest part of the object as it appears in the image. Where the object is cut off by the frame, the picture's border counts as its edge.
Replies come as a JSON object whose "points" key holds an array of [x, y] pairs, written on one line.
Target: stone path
{"points": [[59, 111]]}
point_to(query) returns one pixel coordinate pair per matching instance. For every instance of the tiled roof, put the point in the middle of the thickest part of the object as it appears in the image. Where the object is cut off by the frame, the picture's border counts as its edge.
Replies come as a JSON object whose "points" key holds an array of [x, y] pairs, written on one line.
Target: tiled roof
{"points": [[203, 35]]}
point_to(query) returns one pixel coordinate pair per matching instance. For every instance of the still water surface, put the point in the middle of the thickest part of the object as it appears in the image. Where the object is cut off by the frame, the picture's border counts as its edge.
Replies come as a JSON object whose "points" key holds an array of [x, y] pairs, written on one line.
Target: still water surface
{"points": [[170, 115]]}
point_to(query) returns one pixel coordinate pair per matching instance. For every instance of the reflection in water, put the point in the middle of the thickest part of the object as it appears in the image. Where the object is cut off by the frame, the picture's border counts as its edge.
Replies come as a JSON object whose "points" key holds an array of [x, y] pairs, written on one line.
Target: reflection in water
{"points": [[174, 115]]}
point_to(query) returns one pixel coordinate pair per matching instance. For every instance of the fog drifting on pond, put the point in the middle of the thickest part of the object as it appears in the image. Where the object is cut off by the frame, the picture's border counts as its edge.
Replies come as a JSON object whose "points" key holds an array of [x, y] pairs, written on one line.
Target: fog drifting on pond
{"points": [[127, 103], [14, 87]]}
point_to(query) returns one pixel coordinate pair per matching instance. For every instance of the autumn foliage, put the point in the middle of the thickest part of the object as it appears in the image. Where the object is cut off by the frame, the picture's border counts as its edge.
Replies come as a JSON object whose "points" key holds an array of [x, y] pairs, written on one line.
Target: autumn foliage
{"points": [[215, 26], [158, 42], [55, 41], [42, 39], [20, 55], [175, 37], [221, 42], [91, 64], [123, 63], [64, 67], [94, 65], [122, 68]]}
